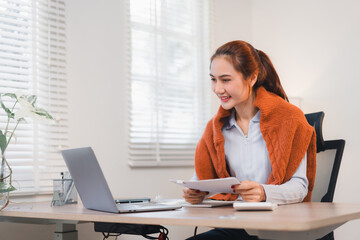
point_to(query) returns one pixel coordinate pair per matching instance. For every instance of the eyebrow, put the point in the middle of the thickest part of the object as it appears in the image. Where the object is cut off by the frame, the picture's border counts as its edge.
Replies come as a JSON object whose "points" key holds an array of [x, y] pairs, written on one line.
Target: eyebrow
{"points": [[221, 76]]}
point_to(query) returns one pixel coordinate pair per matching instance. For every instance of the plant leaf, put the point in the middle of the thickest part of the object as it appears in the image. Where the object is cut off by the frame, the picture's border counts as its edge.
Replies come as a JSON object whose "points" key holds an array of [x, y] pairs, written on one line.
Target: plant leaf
{"points": [[2, 142], [44, 113], [4, 188], [12, 95], [7, 110], [32, 99]]}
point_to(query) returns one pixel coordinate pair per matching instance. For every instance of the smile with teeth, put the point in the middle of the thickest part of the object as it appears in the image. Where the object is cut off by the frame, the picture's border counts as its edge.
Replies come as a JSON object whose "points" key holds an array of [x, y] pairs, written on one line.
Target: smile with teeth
{"points": [[224, 98]]}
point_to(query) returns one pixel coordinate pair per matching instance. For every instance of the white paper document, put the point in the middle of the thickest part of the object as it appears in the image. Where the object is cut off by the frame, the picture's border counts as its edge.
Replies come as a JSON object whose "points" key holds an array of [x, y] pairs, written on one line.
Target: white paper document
{"points": [[219, 185]]}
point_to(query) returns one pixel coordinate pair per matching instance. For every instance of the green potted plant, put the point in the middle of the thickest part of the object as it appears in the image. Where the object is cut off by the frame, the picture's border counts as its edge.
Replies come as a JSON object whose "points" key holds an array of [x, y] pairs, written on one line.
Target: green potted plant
{"points": [[17, 115]]}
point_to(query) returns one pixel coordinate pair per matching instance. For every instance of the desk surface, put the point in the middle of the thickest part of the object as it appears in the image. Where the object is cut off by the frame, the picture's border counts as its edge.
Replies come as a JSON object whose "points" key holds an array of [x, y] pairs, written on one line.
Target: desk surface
{"points": [[302, 217]]}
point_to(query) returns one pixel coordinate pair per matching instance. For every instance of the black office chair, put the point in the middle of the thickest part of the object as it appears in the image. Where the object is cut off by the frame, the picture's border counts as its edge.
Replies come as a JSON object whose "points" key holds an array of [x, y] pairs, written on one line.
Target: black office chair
{"points": [[326, 182]]}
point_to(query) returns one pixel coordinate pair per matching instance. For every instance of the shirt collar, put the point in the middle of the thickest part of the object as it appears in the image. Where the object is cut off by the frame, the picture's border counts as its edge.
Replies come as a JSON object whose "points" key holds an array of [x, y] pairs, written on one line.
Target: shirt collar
{"points": [[232, 121]]}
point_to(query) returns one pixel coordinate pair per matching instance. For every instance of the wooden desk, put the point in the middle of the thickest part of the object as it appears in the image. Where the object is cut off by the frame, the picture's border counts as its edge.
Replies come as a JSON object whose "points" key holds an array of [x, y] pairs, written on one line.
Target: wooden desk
{"points": [[295, 221]]}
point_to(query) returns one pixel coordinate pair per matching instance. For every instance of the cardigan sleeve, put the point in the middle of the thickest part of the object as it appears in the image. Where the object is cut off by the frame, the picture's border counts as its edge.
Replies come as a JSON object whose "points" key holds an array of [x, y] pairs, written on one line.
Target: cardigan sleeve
{"points": [[203, 165]]}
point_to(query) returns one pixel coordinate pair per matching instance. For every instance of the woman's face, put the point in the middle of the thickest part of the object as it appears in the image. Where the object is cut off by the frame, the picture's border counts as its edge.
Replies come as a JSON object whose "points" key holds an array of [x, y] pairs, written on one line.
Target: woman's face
{"points": [[228, 84]]}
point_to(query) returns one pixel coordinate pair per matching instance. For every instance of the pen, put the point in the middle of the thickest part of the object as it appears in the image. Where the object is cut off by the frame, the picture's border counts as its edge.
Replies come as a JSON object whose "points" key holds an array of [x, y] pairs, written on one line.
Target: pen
{"points": [[69, 191], [62, 191]]}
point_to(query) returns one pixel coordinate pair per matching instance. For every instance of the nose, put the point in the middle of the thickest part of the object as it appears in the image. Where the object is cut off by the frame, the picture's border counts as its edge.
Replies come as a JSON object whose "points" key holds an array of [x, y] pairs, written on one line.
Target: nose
{"points": [[218, 87]]}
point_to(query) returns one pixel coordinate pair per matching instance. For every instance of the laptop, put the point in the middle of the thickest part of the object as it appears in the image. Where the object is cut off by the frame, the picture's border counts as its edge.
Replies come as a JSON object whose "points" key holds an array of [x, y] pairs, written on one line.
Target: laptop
{"points": [[93, 189]]}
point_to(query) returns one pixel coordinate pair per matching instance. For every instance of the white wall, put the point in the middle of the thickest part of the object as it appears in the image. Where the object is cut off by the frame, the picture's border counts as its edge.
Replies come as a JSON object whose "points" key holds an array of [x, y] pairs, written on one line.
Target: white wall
{"points": [[315, 47]]}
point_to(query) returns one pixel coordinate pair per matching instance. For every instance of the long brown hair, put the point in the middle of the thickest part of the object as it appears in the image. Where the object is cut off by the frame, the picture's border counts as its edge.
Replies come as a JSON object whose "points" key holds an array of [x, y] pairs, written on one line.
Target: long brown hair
{"points": [[247, 60]]}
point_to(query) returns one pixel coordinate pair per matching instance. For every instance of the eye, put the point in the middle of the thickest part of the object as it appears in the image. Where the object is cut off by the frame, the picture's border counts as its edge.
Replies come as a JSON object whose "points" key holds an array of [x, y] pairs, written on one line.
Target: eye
{"points": [[226, 80], [213, 79]]}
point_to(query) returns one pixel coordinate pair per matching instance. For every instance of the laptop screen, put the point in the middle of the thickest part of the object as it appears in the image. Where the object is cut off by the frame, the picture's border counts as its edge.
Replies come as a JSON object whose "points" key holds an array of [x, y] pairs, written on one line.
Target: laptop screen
{"points": [[89, 179]]}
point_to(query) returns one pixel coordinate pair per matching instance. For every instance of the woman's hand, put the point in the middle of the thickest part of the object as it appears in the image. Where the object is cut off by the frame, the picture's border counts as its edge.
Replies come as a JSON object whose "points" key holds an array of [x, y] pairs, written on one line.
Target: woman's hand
{"points": [[250, 191], [193, 196]]}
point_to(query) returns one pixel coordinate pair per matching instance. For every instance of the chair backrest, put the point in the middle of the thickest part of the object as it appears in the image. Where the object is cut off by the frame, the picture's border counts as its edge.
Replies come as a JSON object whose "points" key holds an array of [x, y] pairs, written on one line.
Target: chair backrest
{"points": [[330, 164]]}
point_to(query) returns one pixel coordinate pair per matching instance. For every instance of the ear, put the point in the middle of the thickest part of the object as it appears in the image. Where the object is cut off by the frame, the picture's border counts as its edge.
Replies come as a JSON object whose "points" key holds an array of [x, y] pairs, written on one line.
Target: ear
{"points": [[253, 79]]}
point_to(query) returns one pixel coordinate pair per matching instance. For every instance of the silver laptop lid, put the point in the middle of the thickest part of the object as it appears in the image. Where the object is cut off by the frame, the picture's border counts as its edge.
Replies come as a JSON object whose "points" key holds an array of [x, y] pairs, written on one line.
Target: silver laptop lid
{"points": [[89, 179]]}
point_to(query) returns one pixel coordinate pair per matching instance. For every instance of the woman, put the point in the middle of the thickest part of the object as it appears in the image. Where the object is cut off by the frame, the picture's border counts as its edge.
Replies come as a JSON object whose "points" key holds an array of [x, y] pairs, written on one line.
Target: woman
{"points": [[256, 136]]}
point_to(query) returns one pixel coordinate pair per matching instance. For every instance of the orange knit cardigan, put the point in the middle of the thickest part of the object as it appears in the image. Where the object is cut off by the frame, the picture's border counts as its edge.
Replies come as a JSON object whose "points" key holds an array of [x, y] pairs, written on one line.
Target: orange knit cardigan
{"points": [[287, 135]]}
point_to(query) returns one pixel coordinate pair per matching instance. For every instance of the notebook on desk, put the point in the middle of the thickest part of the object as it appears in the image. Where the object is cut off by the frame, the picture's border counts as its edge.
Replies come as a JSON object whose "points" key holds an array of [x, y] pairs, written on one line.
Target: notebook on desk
{"points": [[92, 186]]}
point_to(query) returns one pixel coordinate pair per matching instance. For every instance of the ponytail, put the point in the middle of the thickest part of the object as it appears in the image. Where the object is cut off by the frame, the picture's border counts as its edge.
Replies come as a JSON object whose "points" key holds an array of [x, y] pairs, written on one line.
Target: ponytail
{"points": [[248, 61], [268, 77]]}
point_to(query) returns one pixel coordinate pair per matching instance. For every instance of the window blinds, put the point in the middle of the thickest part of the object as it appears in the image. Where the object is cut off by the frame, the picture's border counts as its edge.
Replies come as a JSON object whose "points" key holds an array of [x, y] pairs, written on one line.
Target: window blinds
{"points": [[33, 60], [169, 80]]}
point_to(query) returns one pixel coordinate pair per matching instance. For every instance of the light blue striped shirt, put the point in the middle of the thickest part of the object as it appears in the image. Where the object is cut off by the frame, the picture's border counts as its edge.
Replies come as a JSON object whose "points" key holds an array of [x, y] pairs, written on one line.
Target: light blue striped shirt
{"points": [[248, 159]]}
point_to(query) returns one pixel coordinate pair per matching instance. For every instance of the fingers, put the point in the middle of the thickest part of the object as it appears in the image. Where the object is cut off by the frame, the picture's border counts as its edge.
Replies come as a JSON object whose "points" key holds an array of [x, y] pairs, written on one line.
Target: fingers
{"points": [[250, 191], [245, 186], [193, 192], [252, 197], [193, 196]]}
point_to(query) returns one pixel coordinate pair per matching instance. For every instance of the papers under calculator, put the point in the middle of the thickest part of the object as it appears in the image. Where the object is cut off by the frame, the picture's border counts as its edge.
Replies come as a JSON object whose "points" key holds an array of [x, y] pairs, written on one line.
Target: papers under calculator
{"points": [[251, 206]]}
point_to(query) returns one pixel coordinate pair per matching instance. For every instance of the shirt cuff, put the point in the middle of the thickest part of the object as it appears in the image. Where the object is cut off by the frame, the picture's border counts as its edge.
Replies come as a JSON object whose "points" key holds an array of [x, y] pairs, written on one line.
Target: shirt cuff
{"points": [[290, 192]]}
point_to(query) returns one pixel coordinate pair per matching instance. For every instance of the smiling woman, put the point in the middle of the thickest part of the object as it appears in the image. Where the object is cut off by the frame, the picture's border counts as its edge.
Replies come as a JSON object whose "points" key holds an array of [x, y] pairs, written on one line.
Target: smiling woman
{"points": [[256, 136]]}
